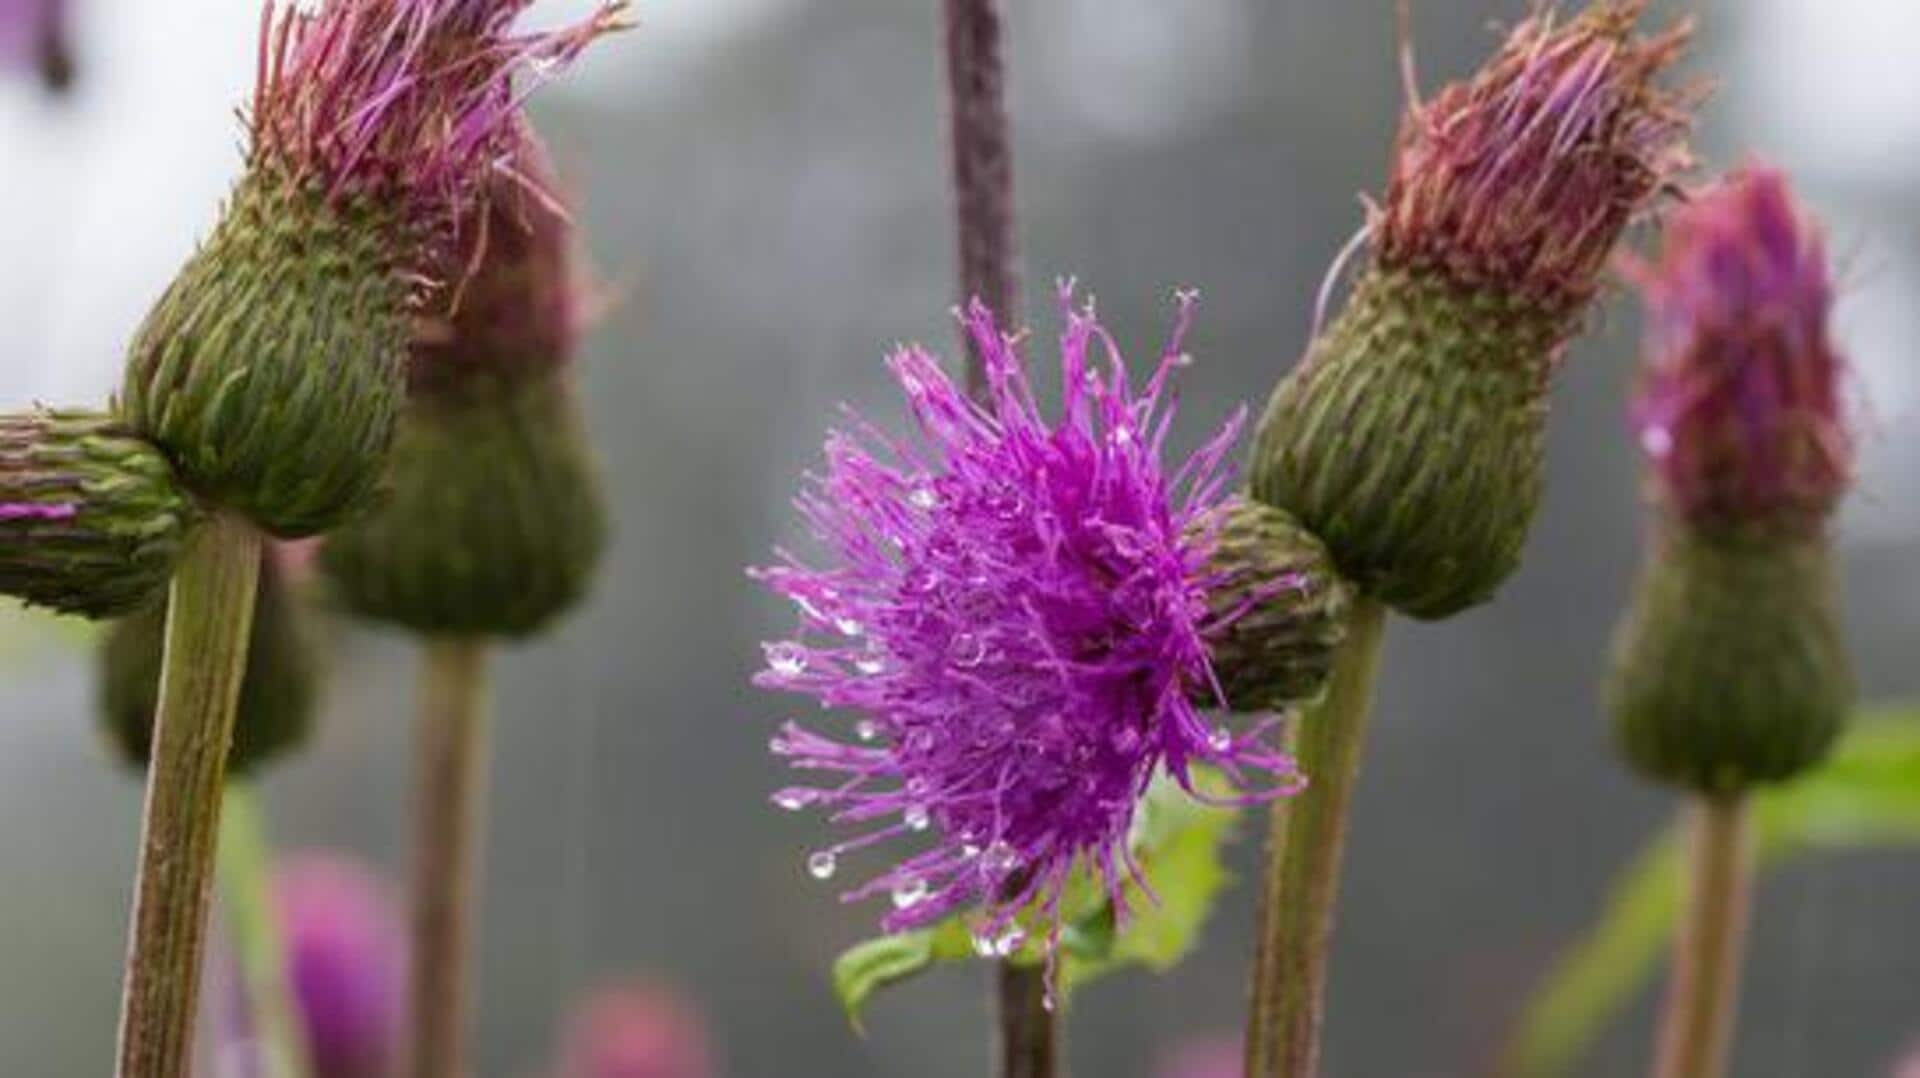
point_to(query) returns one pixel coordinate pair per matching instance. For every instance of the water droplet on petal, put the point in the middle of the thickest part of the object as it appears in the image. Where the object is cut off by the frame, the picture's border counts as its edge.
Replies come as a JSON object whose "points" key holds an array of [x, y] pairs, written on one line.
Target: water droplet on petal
{"points": [[786, 658], [1220, 740], [917, 818], [924, 497], [866, 729], [1047, 999], [848, 626], [1657, 441], [1008, 944], [967, 650], [999, 859], [820, 865], [983, 943], [779, 745], [795, 798], [869, 665], [909, 891]]}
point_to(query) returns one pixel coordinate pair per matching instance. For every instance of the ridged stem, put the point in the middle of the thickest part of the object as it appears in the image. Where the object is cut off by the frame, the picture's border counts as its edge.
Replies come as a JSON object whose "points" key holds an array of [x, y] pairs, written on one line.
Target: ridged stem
{"points": [[1696, 1025], [210, 612], [1305, 844], [245, 870], [450, 771], [1027, 1044]]}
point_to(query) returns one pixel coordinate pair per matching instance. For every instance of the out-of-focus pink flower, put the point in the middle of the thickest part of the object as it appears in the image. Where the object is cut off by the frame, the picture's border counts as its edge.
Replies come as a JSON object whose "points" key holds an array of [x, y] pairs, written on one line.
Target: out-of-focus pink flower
{"points": [[635, 1030], [1213, 1055], [346, 963]]}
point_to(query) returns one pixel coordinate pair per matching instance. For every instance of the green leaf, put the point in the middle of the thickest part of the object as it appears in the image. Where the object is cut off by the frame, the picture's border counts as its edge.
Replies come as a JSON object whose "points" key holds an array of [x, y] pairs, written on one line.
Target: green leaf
{"points": [[1867, 795], [1176, 840]]}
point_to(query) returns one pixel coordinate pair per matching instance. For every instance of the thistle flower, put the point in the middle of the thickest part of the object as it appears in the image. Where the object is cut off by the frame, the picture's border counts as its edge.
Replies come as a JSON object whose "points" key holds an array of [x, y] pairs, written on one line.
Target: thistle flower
{"points": [[278, 692], [1730, 668], [493, 522], [1204, 1057], [271, 371], [33, 33], [346, 966], [1739, 403], [634, 1031], [1018, 612], [92, 519], [1409, 439]]}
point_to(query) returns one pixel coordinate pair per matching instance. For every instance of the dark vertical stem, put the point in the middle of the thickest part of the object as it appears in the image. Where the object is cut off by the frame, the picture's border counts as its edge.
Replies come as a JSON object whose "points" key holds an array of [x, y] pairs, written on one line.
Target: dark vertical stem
{"points": [[450, 785], [209, 613], [982, 166], [1027, 1042]]}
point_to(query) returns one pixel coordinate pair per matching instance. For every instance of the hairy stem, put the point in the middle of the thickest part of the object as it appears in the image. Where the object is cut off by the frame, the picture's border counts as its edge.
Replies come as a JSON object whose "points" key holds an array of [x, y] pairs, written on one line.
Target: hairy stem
{"points": [[208, 617], [1306, 840], [982, 166], [450, 770], [245, 869], [1703, 994]]}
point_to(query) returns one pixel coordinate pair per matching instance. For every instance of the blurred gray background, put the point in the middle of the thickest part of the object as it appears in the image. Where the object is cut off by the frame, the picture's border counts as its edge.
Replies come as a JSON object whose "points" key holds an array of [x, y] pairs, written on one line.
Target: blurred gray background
{"points": [[764, 184]]}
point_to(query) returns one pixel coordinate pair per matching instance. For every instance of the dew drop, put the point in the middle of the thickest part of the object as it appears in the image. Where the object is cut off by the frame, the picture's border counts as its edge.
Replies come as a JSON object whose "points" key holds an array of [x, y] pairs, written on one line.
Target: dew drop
{"points": [[848, 626], [1220, 740], [869, 665], [1657, 441], [866, 729], [1047, 999], [795, 798], [820, 865], [967, 650], [917, 818], [983, 942], [999, 859], [786, 658], [779, 745], [924, 497], [1008, 943], [910, 891]]}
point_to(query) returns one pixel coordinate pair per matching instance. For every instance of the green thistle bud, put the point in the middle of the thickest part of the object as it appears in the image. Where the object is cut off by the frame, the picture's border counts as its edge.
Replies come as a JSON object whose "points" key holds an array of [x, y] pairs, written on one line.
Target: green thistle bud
{"points": [[92, 520], [1730, 668], [1281, 605], [492, 524], [1409, 439], [271, 371], [277, 693]]}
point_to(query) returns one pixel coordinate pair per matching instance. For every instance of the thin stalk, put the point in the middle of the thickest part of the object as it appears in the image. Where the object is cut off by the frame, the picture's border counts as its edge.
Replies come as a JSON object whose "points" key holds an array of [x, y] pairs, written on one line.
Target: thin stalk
{"points": [[1704, 992], [1305, 843], [1027, 1040], [982, 166], [245, 868], [450, 772], [209, 615]]}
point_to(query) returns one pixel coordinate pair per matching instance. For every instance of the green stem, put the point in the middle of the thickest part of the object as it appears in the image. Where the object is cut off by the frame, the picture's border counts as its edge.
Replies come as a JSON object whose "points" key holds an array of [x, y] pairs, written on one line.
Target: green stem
{"points": [[450, 770], [1305, 842], [1703, 995], [209, 614], [245, 868]]}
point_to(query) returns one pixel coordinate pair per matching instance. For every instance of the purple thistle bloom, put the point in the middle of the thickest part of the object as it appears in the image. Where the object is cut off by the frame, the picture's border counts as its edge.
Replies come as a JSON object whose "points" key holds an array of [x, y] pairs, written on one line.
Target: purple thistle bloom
{"points": [[346, 964], [413, 100], [1739, 407], [33, 34], [1212, 1056], [1018, 613], [1523, 176]]}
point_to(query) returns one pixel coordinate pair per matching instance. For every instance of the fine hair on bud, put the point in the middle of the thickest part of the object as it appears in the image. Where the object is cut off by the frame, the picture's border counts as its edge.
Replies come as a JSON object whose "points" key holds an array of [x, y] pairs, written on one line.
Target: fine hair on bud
{"points": [[279, 690], [271, 370], [1409, 438], [1730, 666], [93, 519]]}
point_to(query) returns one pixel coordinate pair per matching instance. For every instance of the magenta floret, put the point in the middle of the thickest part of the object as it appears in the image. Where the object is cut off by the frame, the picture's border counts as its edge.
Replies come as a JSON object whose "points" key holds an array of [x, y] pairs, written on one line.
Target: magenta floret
{"points": [[1740, 404], [1015, 611]]}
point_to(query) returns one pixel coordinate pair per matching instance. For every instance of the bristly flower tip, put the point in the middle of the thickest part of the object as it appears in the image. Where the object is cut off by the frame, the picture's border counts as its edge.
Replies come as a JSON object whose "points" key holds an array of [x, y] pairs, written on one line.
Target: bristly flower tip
{"points": [[409, 100], [1016, 610], [1740, 403], [1522, 177]]}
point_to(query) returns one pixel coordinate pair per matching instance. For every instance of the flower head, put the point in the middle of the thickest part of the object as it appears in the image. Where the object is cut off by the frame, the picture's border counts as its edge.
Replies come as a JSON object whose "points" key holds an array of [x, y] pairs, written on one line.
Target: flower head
{"points": [[345, 962], [413, 101], [1524, 175], [634, 1031], [518, 308], [1017, 610], [33, 34], [1209, 1056], [1739, 405]]}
